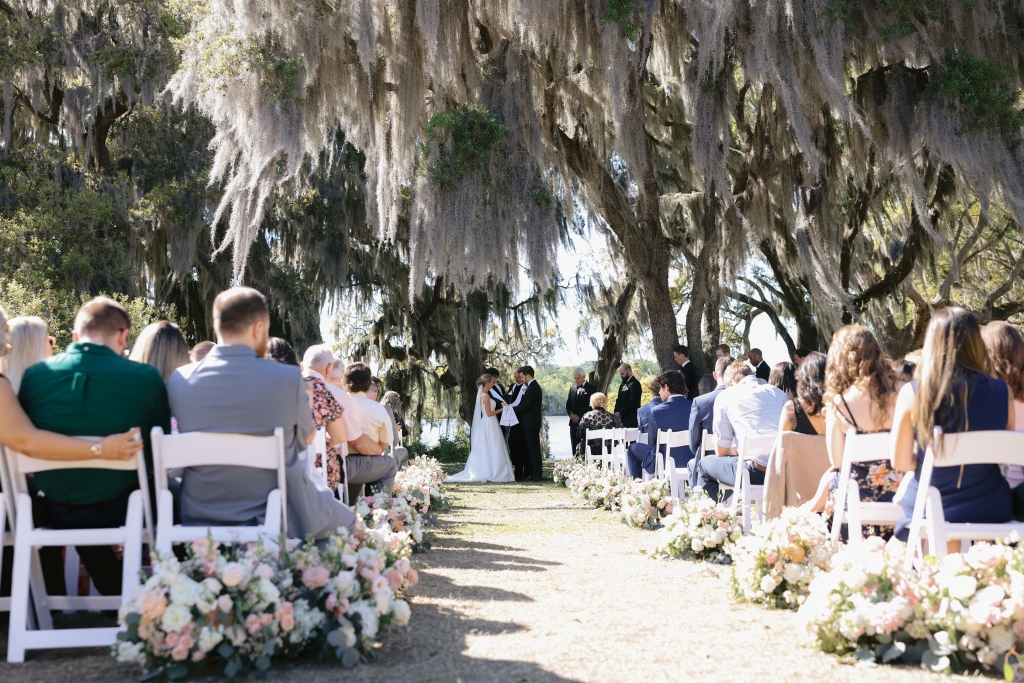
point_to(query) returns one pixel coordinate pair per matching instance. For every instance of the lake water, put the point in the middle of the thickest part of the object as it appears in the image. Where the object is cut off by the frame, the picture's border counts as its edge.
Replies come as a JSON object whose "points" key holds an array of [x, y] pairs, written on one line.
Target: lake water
{"points": [[559, 443]]}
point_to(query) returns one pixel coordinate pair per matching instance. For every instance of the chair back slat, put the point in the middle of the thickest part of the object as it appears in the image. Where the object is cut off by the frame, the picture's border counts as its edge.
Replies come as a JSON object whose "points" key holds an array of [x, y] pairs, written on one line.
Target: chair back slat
{"points": [[977, 448], [862, 447], [707, 442], [751, 446]]}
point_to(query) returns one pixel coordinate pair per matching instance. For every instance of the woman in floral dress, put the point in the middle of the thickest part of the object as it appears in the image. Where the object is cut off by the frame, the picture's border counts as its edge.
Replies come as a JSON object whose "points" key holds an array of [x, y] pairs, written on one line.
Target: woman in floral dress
{"points": [[596, 418], [327, 413], [860, 394]]}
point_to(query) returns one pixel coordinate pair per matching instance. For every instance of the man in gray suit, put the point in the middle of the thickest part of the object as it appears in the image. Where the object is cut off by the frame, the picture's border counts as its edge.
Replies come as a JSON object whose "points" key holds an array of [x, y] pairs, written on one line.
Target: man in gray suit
{"points": [[235, 390]]}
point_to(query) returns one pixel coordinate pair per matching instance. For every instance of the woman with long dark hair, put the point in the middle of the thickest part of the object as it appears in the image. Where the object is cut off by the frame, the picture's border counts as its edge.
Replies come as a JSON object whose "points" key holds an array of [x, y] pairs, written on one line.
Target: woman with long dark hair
{"points": [[805, 414], [954, 391]]}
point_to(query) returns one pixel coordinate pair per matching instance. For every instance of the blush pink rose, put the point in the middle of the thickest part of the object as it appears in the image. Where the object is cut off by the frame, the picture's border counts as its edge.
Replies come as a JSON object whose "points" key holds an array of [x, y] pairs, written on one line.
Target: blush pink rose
{"points": [[413, 577], [198, 656], [173, 638], [179, 653], [288, 622], [252, 624], [266, 619], [315, 577], [394, 579]]}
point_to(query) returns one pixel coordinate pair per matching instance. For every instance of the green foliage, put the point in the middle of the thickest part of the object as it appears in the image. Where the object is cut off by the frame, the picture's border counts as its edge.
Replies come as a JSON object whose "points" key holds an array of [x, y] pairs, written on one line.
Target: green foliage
{"points": [[901, 15], [465, 138], [624, 13], [280, 73], [982, 92], [447, 451]]}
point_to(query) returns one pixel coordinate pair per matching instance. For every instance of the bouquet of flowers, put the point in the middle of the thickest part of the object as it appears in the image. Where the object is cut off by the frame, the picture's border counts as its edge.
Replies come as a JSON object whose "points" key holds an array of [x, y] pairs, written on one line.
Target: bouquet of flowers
{"points": [[957, 612], [604, 490], [423, 474], [775, 565], [645, 503], [565, 470], [698, 528], [394, 512], [240, 609]]}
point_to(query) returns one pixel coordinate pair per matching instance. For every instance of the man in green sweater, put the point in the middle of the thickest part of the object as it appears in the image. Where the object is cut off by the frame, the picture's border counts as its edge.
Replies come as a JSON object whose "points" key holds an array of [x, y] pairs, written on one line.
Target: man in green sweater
{"points": [[93, 390]]}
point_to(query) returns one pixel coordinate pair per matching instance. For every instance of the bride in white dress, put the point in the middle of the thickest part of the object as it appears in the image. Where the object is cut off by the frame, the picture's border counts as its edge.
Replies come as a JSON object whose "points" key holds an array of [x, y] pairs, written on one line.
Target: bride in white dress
{"points": [[488, 453]]}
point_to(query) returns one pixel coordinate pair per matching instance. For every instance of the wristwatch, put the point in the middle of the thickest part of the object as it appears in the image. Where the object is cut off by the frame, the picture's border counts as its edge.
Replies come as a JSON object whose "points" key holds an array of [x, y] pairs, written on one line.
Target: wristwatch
{"points": [[97, 449]]}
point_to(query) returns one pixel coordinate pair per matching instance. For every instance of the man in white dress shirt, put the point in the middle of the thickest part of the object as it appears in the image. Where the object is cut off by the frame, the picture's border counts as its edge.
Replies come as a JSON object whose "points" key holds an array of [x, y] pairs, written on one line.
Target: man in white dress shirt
{"points": [[745, 407]]}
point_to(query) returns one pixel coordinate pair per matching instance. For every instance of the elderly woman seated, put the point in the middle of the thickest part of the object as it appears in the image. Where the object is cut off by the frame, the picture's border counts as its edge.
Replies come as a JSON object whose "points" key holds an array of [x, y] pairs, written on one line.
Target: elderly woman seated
{"points": [[597, 417]]}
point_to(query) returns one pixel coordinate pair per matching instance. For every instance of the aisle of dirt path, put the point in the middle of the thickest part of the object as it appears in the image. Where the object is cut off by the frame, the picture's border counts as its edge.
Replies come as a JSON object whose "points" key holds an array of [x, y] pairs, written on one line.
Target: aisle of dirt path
{"points": [[523, 585]]}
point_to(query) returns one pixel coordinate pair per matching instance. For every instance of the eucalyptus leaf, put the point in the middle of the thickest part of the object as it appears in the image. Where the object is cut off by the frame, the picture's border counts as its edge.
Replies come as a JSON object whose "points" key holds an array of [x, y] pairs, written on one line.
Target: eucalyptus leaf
{"points": [[934, 662], [864, 654], [336, 637], [350, 658], [133, 618], [176, 671], [152, 675], [263, 662], [268, 647], [225, 650], [896, 651], [231, 669]]}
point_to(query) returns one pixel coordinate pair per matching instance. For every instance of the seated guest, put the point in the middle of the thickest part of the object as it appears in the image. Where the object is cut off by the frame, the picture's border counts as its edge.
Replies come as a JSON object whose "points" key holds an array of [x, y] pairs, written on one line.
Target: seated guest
{"points": [[643, 417], [860, 393], [799, 355], [702, 416], [282, 352], [329, 414], [681, 354], [235, 390], [1005, 348], [373, 393], [92, 389], [372, 467], [317, 364], [783, 376], [597, 417], [392, 403], [200, 350], [163, 346], [673, 413], [746, 408], [707, 384], [903, 369], [955, 392], [805, 414], [30, 343]]}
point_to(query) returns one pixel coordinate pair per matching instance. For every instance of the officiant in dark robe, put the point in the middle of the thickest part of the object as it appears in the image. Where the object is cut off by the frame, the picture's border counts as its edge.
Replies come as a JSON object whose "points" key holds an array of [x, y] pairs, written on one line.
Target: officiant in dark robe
{"points": [[630, 395], [578, 403]]}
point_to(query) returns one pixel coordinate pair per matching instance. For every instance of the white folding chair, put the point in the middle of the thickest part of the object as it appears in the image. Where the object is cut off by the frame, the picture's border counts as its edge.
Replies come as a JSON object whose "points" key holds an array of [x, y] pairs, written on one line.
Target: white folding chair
{"points": [[961, 449], [617, 453], [344, 474], [848, 506], [27, 572], [746, 497], [589, 456], [6, 537], [676, 477], [196, 449], [632, 436]]}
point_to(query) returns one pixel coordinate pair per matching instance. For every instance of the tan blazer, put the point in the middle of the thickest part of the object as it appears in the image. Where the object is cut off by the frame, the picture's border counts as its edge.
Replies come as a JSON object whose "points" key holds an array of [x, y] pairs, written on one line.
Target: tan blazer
{"points": [[795, 468]]}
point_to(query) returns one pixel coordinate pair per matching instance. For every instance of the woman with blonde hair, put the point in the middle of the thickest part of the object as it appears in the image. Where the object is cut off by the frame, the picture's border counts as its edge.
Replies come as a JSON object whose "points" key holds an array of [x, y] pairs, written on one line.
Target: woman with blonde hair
{"points": [[953, 391], [860, 394], [597, 417], [19, 434], [163, 346], [488, 452], [30, 342]]}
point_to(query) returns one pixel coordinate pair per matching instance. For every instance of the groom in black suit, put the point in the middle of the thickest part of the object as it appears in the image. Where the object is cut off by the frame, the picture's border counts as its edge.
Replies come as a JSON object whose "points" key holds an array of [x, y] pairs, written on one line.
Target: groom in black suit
{"points": [[516, 442], [530, 415]]}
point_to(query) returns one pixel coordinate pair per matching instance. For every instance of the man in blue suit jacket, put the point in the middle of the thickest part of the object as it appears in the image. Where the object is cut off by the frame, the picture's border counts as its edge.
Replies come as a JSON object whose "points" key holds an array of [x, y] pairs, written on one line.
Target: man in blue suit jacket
{"points": [[702, 415], [674, 414]]}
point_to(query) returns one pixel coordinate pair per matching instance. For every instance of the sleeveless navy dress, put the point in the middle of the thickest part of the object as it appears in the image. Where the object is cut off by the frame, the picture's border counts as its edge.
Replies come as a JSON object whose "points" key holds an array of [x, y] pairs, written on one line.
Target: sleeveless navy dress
{"points": [[973, 493]]}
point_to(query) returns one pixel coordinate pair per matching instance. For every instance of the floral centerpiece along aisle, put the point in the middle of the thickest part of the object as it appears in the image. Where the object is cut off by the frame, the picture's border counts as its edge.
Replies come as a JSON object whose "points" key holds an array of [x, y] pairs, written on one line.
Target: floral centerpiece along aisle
{"points": [[239, 611], [954, 613], [643, 503], [775, 564], [698, 528]]}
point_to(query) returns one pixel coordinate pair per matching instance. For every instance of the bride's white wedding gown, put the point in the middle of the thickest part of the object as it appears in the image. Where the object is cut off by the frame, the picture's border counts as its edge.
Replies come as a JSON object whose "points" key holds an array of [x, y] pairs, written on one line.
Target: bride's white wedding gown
{"points": [[488, 453]]}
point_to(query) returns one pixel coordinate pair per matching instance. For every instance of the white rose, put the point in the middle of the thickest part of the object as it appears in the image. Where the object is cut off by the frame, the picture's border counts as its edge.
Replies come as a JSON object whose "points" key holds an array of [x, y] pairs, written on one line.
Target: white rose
{"points": [[264, 572], [793, 573], [401, 613], [855, 578], [225, 603], [696, 545], [1000, 639], [768, 583], [962, 587], [343, 582], [210, 638], [269, 591], [367, 617], [175, 617], [185, 592], [232, 574]]}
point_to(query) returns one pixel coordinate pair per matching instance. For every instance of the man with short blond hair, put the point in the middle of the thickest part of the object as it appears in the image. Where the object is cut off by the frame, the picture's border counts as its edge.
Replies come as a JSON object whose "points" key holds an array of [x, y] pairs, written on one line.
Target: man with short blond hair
{"points": [[91, 389], [235, 390]]}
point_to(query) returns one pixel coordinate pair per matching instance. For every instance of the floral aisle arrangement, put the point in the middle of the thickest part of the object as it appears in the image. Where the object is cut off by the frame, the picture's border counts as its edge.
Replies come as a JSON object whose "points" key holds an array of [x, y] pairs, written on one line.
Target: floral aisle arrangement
{"points": [[645, 503], [395, 512], [239, 611], [775, 564], [957, 612], [423, 474], [698, 528]]}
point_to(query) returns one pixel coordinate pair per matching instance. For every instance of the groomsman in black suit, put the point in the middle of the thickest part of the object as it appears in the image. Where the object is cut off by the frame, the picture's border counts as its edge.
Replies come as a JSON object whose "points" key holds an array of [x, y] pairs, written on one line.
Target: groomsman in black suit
{"points": [[761, 369], [682, 355], [578, 403], [630, 395]]}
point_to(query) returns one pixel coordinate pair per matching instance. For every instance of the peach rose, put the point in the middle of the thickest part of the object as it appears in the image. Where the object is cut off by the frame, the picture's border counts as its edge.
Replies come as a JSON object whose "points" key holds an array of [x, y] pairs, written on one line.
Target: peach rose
{"points": [[179, 653], [252, 624], [153, 606], [315, 577], [287, 623]]}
